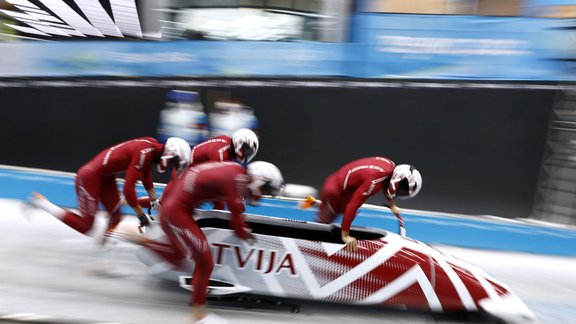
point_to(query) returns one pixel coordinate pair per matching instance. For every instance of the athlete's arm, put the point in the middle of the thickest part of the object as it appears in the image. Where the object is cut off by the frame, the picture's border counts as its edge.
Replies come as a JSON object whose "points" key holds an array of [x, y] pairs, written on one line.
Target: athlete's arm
{"points": [[236, 207], [356, 201], [133, 174], [392, 205]]}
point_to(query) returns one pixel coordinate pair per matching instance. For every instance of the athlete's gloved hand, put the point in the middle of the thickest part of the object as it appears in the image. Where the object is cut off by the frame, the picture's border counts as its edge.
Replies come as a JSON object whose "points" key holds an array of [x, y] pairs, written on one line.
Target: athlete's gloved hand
{"points": [[144, 220], [155, 204], [240, 228], [395, 210], [251, 238], [242, 232]]}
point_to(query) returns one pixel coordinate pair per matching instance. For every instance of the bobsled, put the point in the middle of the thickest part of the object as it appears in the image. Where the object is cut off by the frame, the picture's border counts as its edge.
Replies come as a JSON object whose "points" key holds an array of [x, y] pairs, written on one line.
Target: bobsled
{"points": [[308, 261]]}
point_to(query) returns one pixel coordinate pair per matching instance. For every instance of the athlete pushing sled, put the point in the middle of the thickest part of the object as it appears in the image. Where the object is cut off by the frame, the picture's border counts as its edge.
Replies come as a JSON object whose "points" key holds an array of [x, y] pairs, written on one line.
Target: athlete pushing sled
{"points": [[347, 189]]}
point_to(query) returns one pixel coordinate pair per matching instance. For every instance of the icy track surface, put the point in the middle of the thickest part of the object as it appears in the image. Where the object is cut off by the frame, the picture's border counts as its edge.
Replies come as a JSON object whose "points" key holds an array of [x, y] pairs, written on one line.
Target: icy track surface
{"points": [[49, 270]]}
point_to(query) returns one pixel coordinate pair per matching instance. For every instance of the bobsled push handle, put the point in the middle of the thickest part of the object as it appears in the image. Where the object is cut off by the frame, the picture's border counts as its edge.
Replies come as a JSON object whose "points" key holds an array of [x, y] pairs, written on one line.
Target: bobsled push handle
{"points": [[401, 225], [396, 211]]}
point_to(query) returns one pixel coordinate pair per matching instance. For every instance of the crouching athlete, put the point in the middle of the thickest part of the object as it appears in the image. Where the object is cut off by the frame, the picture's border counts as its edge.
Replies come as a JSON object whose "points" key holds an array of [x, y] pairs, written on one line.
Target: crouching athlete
{"points": [[241, 148], [225, 181], [345, 191], [96, 181]]}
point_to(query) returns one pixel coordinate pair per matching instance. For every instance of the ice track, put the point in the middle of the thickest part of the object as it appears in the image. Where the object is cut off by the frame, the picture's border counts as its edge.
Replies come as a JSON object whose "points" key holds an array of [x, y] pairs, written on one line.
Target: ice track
{"points": [[50, 274]]}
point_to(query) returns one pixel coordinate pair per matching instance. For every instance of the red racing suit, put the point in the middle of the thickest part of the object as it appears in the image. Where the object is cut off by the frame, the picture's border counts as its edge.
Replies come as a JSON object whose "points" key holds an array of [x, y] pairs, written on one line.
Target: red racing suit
{"points": [[345, 190], [218, 148], [96, 180], [225, 181], [215, 149]]}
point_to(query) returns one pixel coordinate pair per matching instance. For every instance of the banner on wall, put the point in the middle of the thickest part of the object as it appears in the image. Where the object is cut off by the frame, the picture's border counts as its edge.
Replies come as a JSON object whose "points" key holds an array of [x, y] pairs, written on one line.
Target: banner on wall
{"points": [[187, 58], [382, 46], [462, 47]]}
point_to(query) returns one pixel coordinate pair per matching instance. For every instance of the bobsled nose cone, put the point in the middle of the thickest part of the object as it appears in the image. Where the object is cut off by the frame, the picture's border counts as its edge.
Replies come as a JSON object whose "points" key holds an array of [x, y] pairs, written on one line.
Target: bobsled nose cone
{"points": [[508, 308]]}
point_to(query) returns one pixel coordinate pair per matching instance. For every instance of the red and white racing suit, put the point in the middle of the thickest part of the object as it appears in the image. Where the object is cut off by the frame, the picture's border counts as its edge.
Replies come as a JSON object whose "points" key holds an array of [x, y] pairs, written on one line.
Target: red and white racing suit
{"points": [[215, 149], [218, 148], [225, 181], [345, 190], [96, 180]]}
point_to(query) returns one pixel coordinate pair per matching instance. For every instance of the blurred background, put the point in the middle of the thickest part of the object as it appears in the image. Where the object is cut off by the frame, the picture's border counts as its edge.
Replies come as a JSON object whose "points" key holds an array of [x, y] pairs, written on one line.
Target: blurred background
{"points": [[478, 94]]}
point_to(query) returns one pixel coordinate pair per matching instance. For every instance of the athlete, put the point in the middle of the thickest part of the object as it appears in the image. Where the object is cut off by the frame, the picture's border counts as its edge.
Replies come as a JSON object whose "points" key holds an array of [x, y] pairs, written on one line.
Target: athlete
{"points": [[226, 181], [240, 148], [345, 191], [96, 181]]}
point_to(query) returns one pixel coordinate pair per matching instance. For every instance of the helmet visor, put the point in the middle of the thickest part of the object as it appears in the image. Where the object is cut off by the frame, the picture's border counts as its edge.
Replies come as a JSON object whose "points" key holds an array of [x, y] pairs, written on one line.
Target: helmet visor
{"points": [[162, 165], [180, 165], [403, 188], [268, 189], [245, 153], [166, 161]]}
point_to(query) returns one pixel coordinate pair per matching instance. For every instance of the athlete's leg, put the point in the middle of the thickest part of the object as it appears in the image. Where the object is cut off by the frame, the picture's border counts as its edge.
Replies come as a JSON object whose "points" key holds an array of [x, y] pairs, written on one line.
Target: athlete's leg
{"points": [[111, 201], [88, 193], [186, 241], [87, 190], [188, 238], [331, 198]]}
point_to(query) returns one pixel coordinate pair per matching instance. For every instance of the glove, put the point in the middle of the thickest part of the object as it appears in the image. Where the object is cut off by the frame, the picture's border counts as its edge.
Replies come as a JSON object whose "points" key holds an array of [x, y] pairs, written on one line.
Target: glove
{"points": [[144, 220], [242, 232], [251, 238], [395, 210], [154, 204], [240, 228], [246, 235]]}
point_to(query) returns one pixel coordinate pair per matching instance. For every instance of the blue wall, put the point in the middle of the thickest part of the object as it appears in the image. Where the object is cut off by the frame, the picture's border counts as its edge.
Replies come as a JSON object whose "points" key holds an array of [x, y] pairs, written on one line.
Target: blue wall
{"points": [[432, 228], [383, 46], [461, 47]]}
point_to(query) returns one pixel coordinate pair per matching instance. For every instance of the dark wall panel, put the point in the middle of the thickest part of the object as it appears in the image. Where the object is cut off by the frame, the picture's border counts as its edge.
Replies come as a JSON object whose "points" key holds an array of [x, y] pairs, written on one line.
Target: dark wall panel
{"points": [[479, 150], [61, 128]]}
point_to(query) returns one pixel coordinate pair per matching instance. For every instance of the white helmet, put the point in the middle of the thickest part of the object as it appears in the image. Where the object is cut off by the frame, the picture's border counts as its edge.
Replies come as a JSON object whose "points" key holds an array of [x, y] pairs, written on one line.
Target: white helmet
{"points": [[266, 179], [245, 144], [405, 182], [176, 151]]}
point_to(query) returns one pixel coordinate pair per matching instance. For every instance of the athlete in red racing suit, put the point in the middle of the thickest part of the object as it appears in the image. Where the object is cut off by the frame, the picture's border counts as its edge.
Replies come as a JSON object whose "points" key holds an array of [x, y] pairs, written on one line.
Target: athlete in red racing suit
{"points": [[96, 180], [224, 181], [241, 148], [345, 190]]}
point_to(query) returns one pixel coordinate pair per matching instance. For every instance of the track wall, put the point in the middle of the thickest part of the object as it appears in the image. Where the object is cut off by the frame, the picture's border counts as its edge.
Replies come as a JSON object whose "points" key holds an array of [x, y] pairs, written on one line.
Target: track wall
{"points": [[478, 146]]}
